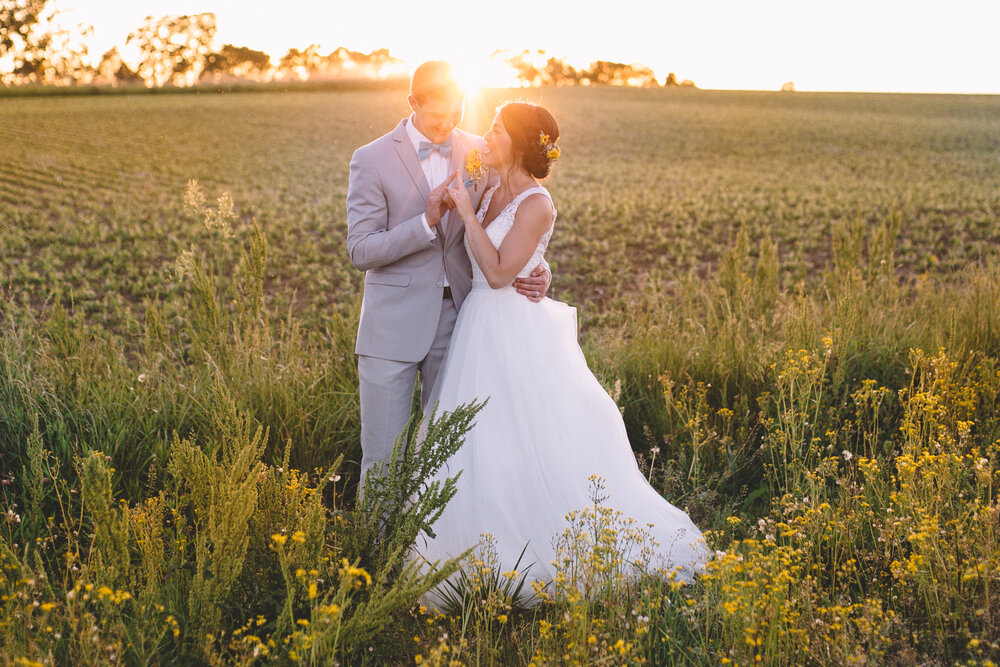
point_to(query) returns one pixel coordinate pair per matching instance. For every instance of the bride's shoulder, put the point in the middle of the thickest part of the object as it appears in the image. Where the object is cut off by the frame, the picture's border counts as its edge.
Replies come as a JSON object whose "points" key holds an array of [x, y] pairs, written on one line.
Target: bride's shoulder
{"points": [[537, 205], [541, 194]]}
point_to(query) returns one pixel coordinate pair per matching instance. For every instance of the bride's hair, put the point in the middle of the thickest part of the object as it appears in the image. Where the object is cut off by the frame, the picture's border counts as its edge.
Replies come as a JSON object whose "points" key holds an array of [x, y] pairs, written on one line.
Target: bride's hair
{"points": [[527, 124]]}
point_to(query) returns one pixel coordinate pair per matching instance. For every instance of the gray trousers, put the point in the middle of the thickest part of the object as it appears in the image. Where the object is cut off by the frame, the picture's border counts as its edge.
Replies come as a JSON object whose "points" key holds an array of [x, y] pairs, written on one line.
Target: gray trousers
{"points": [[387, 392]]}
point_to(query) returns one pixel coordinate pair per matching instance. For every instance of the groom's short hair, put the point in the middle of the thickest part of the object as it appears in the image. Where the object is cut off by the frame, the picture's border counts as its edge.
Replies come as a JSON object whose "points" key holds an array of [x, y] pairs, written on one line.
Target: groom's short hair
{"points": [[434, 79]]}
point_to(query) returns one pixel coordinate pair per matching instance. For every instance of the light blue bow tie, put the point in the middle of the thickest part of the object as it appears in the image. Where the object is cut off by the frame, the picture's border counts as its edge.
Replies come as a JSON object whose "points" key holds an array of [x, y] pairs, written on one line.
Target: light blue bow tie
{"points": [[444, 148]]}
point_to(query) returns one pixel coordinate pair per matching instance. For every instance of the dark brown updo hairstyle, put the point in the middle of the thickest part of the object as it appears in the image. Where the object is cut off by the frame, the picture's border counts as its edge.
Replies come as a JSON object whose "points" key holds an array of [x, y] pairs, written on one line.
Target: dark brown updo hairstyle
{"points": [[525, 123]]}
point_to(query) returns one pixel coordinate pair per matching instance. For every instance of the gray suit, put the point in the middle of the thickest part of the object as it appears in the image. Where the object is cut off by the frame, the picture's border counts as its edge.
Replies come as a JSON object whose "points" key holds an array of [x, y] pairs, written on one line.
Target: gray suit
{"points": [[405, 323]]}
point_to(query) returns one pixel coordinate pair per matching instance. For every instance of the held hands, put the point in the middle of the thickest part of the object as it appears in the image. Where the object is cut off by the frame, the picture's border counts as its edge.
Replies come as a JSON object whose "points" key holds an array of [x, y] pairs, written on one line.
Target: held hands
{"points": [[439, 202], [534, 286]]}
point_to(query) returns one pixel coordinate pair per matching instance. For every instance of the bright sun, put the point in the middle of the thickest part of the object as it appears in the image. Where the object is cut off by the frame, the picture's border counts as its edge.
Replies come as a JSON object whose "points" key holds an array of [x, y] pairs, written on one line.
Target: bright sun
{"points": [[475, 74]]}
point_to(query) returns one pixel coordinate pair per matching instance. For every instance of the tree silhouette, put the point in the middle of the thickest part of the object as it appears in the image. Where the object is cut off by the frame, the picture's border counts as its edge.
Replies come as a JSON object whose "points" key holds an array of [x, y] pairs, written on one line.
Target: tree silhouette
{"points": [[558, 72], [536, 69], [39, 50], [236, 61], [18, 19], [620, 74], [340, 63], [300, 63], [112, 70], [173, 49]]}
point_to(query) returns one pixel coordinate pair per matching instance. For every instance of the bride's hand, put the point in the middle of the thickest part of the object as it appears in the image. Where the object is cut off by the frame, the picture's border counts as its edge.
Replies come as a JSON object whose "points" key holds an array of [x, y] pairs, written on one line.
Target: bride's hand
{"points": [[459, 197]]}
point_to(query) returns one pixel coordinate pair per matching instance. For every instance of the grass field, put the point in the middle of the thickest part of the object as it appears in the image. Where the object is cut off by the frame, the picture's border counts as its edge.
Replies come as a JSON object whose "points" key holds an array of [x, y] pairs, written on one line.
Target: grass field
{"points": [[652, 182], [793, 298]]}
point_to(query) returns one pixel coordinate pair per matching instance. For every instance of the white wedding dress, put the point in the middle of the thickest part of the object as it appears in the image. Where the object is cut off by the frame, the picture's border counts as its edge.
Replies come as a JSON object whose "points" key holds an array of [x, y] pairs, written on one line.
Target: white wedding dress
{"points": [[547, 427]]}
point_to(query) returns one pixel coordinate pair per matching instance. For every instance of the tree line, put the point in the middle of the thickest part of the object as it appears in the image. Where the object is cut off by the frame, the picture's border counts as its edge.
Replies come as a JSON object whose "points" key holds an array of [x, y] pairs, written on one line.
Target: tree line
{"points": [[183, 51]]}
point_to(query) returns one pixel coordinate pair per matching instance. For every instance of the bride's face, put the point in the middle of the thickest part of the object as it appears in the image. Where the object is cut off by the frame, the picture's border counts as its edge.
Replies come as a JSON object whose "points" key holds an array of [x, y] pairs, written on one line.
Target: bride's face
{"points": [[498, 145]]}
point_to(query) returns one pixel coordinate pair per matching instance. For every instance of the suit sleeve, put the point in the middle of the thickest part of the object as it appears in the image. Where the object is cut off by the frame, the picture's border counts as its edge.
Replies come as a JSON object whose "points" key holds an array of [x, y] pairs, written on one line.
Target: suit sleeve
{"points": [[370, 242]]}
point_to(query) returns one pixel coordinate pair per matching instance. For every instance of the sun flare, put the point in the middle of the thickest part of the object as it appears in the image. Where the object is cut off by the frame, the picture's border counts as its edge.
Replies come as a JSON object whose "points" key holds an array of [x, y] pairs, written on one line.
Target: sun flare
{"points": [[476, 74]]}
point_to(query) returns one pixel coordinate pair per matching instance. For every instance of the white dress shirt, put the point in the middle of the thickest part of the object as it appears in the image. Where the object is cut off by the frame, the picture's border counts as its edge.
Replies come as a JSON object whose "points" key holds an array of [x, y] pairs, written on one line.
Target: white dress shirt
{"points": [[436, 169]]}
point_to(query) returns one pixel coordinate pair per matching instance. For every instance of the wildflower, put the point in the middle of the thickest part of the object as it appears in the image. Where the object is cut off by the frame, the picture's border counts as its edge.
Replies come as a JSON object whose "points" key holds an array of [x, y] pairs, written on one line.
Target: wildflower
{"points": [[502, 618], [550, 150], [299, 537], [279, 539], [847, 455]]}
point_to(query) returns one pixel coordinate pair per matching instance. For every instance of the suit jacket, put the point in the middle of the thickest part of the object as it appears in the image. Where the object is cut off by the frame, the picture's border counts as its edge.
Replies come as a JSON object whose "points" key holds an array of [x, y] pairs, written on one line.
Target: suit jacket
{"points": [[387, 193]]}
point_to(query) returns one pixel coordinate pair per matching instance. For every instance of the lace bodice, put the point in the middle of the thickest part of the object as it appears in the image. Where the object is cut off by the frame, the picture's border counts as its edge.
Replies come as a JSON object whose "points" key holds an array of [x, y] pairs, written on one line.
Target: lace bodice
{"points": [[497, 230]]}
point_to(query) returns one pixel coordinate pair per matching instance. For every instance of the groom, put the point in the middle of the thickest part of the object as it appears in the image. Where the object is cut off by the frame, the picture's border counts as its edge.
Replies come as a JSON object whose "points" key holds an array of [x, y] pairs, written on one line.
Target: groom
{"points": [[417, 273]]}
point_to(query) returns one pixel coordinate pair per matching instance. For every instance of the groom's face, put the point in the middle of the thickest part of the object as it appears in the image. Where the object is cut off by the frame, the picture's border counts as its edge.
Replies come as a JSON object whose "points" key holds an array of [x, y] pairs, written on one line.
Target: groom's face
{"points": [[437, 117]]}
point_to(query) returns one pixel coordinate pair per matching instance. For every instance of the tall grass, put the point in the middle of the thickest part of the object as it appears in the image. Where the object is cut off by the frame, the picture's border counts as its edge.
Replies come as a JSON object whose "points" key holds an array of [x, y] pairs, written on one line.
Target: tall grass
{"points": [[156, 506], [842, 444], [180, 488]]}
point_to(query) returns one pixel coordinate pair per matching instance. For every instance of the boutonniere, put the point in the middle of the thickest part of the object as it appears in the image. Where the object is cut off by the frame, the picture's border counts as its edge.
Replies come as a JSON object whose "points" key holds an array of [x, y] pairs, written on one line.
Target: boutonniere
{"points": [[475, 168]]}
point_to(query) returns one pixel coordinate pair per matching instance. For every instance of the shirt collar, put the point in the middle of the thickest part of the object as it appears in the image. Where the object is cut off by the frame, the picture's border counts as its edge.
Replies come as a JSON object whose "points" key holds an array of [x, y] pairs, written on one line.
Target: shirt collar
{"points": [[415, 135]]}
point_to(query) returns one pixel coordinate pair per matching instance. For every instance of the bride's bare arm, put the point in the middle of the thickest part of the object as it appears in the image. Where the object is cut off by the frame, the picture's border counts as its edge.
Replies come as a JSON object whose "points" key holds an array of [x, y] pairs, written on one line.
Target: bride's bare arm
{"points": [[501, 265]]}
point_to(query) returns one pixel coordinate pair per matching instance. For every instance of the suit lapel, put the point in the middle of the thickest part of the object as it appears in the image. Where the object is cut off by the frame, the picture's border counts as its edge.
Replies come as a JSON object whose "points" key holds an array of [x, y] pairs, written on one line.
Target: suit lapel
{"points": [[458, 149], [404, 147], [454, 223]]}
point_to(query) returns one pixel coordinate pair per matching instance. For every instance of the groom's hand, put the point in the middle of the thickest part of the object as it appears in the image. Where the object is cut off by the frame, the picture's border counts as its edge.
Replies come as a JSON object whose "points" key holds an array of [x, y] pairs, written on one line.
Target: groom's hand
{"points": [[535, 285], [439, 203]]}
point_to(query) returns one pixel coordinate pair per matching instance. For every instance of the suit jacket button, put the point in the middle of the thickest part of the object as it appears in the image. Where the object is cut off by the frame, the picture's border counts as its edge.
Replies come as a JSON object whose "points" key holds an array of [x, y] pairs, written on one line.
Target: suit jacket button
{"points": [[440, 284]]}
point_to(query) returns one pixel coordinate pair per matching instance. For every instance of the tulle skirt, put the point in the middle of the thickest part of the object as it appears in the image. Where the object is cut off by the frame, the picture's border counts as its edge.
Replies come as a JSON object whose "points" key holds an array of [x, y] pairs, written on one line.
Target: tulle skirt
{"points": [[548, 426]]}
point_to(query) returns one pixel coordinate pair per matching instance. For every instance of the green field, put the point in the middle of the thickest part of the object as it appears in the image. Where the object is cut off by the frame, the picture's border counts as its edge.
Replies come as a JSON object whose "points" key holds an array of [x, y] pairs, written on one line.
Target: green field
{"points": [[651, 182], [792, 297]]}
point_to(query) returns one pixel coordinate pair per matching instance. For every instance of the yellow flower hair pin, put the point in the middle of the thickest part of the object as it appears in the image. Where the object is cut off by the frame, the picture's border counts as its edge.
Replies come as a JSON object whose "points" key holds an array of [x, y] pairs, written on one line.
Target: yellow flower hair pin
{"points": [[550, 149], [475, 168]]}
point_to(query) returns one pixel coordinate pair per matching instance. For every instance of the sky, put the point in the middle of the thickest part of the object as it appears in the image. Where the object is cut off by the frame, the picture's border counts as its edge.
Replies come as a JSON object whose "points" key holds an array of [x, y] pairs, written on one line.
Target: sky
{"points": [[847, 45]]}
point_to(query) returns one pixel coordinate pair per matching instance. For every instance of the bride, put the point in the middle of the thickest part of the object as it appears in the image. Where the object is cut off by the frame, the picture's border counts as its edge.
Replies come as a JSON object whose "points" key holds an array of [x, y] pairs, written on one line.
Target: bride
{"points": [[548, 425]]}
